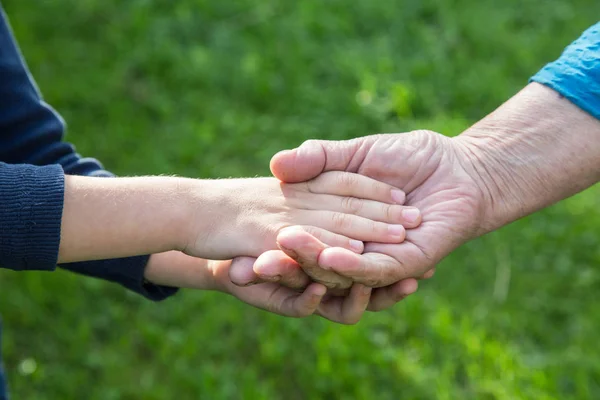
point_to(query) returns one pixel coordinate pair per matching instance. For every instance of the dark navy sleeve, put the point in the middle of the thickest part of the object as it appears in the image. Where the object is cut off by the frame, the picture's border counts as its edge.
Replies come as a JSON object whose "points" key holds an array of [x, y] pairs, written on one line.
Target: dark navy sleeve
{"points": [[31, 203], [33, 160], [576, 74]]}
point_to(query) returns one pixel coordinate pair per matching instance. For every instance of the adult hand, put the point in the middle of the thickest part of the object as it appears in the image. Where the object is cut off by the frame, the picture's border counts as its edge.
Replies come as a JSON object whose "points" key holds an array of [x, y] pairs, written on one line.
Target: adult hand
{"points": [[422, 163], [282, 300], [429, 167], [514, 162], [177, 269]]}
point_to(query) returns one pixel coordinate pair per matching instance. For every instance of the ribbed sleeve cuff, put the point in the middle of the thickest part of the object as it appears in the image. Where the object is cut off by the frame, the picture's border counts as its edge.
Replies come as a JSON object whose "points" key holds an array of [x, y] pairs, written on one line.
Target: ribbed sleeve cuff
{"points": [[576, 74], [129, 272], [31, 204]]}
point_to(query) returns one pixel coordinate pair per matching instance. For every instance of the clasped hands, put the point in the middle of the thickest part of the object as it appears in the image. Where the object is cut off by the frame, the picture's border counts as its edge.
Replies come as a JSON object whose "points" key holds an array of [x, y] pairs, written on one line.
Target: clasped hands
{"points": [[339, 283], [344, 226], [506, 166]]}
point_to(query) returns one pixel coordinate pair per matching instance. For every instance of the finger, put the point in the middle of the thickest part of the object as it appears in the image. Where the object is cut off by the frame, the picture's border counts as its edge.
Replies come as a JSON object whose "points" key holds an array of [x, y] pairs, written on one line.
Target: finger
{"points": [[305, 250], [371, 269], [428, 274], [386, 297], [277, 267], [241, 272], [316, 156], [285, 301], [417, 260], [346, 310], [409, 217], [356, 227], [278, 299], [333, 239], [354, 185]]}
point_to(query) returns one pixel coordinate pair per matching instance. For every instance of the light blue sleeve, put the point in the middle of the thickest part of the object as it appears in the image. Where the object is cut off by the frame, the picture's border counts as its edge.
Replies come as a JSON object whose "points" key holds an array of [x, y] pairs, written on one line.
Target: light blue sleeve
{"points": [[576, 74]]}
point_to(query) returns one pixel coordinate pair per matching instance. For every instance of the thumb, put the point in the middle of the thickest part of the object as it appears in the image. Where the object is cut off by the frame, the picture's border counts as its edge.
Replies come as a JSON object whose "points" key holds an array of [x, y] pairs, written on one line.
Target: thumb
{"points": [[316, 156]]}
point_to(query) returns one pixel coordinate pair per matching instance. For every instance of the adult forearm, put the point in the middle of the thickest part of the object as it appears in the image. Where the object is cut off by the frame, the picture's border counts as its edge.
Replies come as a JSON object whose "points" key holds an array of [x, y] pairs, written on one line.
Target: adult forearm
{"points": [[109, 218], [534, 150]]}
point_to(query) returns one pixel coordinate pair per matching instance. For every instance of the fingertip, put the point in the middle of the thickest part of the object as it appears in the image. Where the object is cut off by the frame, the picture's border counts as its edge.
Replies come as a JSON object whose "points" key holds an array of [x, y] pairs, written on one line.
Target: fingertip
{"points": [[268, 265], [278, 161], [294, 240], [290, 232], [318, 289], [398, 196], [386, 297], [356, 246], [362, 289], [241, 272], [407, 287], [366, 290], [337, 258], [313, 295], [429, 274], [412, 216], [300, 164], [397, 233]]}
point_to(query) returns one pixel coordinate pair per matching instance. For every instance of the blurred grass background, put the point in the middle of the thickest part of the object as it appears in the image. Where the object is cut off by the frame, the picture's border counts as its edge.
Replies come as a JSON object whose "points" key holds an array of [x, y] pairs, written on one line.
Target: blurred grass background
{"points": [[208, 88]]}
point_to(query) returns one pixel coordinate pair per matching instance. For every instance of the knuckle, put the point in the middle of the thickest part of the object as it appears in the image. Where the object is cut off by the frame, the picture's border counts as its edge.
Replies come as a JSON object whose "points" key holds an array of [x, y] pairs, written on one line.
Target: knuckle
{"points": [[309, 186], [378, 189], [340, 221], [372, 282], [378, 229], [352, 205], [312, 230], [391, 212], [347, 180], [317, 184]]}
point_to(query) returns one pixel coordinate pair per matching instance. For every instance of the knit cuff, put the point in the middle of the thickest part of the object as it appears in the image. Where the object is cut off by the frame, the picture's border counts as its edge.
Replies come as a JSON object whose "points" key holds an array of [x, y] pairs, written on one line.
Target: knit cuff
{"points": [[31, 200]]}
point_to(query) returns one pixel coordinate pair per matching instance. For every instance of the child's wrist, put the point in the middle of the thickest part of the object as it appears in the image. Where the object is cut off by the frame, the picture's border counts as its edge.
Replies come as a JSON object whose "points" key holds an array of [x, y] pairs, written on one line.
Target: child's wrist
{"points": [[189, 214], [211, 214]]}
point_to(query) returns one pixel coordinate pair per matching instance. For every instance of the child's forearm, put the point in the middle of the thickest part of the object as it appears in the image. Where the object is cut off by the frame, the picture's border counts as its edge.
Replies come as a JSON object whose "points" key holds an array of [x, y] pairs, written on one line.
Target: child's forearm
{"points": [[110, 218]]}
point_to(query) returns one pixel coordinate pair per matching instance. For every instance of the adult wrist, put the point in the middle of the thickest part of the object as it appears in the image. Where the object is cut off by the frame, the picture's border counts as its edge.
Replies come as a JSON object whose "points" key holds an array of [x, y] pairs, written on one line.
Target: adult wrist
{"points": [[501, 176], [536, 149]]}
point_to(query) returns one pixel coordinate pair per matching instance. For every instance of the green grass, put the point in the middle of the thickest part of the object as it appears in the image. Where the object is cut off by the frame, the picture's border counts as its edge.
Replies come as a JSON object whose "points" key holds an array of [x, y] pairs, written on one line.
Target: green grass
{"points": [[213, 89]]}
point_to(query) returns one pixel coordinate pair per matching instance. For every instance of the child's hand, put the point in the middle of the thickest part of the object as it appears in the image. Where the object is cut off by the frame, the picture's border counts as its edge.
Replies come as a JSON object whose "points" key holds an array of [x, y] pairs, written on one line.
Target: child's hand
{"points": [[241, 217]]}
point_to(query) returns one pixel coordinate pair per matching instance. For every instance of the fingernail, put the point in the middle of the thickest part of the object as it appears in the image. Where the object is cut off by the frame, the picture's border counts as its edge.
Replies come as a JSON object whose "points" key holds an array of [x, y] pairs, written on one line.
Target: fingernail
{"points": [[396, 230], [398, 196], [411, 214], [357, 245]]}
